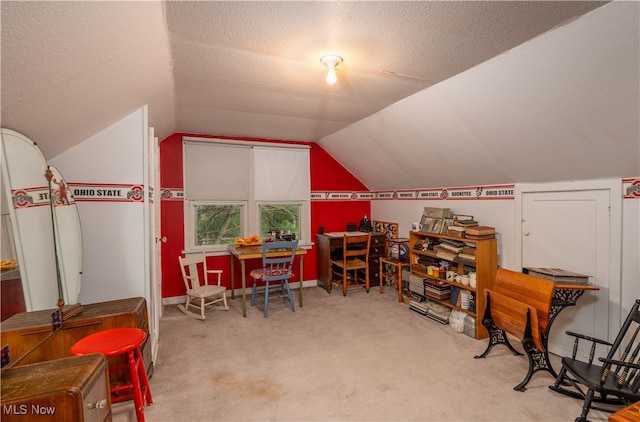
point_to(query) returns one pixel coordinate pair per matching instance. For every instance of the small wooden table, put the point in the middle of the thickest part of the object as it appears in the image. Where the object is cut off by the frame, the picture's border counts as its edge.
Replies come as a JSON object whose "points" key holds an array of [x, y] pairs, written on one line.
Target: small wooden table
{"points": [[243, 253], [394, 262]]}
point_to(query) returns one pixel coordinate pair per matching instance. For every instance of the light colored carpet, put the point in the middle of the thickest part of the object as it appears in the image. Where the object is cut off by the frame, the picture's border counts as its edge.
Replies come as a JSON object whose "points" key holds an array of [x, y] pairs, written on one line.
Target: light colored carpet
{"points": [[364, 357]]}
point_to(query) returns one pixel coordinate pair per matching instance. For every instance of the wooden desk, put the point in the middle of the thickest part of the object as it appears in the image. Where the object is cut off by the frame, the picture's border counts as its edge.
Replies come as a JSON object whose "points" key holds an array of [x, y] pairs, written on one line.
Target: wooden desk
{"points": [[244, 253], [330, 246], [564, 295]]}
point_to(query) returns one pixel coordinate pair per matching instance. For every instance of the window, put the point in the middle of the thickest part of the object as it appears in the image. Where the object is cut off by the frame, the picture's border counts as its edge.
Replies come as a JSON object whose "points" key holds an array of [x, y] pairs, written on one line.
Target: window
{"points": [[276, 217], [216, 224], [239, 188]]}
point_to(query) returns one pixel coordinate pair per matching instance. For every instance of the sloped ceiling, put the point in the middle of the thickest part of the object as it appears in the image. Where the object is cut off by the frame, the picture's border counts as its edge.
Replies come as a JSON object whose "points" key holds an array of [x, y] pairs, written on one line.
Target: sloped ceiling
{"points": [[564, 106], [251, 69]]}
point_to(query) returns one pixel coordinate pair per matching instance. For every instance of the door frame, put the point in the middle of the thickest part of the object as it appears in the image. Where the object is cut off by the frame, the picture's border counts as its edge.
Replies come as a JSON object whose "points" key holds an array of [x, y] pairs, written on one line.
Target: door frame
{"points": [[153, 285], [614, 187]]}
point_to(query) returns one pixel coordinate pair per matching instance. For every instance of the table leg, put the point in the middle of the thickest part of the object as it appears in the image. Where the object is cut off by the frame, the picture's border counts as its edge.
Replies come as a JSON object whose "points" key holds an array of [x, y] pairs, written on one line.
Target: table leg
{"points": [[244, 293], [381, 276], [399, 281], [561, 299], [233, 290], [301, 277]]}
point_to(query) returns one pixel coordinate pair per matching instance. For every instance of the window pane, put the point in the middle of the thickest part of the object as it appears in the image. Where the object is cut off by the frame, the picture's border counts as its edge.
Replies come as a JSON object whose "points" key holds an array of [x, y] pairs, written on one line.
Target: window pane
{"points": [[217, 224], [283, 217]]}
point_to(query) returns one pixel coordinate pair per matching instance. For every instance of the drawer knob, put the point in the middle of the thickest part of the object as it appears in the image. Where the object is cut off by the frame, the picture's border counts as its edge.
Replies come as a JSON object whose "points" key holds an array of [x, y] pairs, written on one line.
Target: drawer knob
{"points": [[101, 404]]}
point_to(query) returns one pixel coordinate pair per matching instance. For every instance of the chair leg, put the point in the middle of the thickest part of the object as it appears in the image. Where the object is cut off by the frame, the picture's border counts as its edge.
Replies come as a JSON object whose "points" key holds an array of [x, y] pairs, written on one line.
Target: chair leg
{"points": [[586, 407], [366, 278], [202, 307], [253, 294], [135, 385], [286, 286], [266, 299], [344, 282], [224, 300], [142, 376]]}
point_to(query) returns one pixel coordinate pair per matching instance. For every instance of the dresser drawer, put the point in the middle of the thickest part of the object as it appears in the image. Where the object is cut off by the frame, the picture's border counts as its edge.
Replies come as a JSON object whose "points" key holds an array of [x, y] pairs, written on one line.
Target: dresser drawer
{"points": [[68, 389], [374, 271]]}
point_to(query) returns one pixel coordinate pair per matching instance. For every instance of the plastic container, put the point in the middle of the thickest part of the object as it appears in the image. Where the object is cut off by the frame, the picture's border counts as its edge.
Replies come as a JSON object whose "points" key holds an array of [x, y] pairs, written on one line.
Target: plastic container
{"points": [[470, 326]]}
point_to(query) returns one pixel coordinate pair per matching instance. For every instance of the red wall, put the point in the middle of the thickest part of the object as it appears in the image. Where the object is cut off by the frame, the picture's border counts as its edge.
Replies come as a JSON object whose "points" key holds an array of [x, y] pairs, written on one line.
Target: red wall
{"points": [[326, 175]]}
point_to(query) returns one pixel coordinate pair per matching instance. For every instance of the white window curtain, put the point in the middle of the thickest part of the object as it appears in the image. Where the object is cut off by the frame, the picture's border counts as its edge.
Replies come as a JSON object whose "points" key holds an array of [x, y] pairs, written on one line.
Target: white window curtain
{"points": [[216, 171], [281, 174]]}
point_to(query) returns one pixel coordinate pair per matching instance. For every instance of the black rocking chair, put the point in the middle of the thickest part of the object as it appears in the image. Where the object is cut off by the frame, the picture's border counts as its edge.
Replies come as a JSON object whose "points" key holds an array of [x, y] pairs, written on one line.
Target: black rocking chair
{"points": [[615, 381]]}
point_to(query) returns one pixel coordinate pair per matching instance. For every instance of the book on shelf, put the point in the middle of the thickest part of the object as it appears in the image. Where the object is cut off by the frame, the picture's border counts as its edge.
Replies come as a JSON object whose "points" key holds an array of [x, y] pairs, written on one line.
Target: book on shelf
{"points": [[468, 257], [465, 223], [440, 284], [453, 298], [453, 233], [445, 254], [450, 247], [452, 242], [462, 217], [483, 237], [471, 250], [481, 230], [558, 275], [456, 228]]}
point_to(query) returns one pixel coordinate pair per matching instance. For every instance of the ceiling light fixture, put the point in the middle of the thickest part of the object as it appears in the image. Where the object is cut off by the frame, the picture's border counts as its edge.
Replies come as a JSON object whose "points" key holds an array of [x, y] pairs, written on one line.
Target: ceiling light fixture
{"points": [[331, 62]]}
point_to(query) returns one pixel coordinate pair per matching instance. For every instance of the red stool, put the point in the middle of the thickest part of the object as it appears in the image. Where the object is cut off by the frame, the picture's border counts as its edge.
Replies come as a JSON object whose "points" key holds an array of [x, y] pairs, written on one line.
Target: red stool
{"points": [[116, 342]]}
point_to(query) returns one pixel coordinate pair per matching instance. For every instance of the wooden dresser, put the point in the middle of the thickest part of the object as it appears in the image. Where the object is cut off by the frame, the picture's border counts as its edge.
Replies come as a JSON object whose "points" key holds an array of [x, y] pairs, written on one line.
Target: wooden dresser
{"points": [[330, 243], [69, 389], [24, 331]]}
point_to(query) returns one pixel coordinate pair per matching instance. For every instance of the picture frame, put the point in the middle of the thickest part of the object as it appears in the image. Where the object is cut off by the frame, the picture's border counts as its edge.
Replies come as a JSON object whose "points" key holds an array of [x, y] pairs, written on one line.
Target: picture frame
{"points": [[426, 221], [437, 212], [446, 222], [389, 229], [436, 225]]}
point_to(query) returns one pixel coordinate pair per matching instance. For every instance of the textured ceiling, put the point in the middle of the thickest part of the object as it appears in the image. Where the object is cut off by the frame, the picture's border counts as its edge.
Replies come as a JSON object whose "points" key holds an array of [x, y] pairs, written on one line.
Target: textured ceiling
{"points": [[70, 69]]}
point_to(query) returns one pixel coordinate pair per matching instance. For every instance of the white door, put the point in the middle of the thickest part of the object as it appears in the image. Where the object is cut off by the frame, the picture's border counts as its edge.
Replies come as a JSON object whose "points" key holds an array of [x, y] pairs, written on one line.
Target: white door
{"points": [[573, 230], [153, 177]]}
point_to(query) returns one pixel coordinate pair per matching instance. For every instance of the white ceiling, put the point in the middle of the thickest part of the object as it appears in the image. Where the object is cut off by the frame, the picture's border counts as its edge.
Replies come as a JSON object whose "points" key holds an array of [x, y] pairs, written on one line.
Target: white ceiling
{"points": [[246, 69]]}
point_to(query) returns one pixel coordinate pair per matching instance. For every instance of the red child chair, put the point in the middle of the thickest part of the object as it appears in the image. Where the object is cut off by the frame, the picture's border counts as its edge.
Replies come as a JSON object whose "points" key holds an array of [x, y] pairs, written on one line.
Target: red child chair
{"points": [[116, 342]]}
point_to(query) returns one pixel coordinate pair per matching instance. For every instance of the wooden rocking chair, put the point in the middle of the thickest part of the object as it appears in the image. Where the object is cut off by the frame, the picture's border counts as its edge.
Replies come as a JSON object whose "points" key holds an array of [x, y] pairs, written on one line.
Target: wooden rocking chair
{"points": [[616, 381]]}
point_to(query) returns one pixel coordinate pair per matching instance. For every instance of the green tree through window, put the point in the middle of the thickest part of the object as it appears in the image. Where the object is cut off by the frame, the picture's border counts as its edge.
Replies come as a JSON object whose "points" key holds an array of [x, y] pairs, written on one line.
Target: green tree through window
{"points": [[276, 217], [217, 224]]}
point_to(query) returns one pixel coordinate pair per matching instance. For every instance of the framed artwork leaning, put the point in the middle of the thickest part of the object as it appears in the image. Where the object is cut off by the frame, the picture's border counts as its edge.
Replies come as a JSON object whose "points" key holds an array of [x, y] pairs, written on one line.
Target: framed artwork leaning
{"points": [[389, 229], [436, 225]]}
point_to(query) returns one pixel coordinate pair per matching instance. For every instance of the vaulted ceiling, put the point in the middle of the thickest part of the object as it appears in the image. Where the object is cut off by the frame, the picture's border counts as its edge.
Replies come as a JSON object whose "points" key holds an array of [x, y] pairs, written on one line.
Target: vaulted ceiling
{"points": [[252, 69]]}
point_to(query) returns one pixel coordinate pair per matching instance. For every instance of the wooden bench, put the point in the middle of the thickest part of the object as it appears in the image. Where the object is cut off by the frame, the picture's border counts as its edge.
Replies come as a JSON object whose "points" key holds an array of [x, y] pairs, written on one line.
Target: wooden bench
{"points": [[519, 305]]}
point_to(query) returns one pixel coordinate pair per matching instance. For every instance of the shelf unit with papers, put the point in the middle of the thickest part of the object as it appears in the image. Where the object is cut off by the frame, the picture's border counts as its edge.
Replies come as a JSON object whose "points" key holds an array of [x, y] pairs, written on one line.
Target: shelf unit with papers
{"points": [[485, 266]]}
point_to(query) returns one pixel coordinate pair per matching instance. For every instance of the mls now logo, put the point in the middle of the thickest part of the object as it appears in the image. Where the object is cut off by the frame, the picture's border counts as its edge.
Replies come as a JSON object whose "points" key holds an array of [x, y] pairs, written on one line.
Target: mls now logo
{"points": [[23, 409]]}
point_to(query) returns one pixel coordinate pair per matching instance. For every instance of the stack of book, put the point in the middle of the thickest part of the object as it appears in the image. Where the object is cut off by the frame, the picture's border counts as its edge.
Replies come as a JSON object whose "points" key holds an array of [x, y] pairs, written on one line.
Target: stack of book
{"points": [[468, 253], [416, 284], [451, 245], [437, 290], [480, 233], [558, 275], [435, 311], [445, 254], [464, 221], [456, 231]]}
